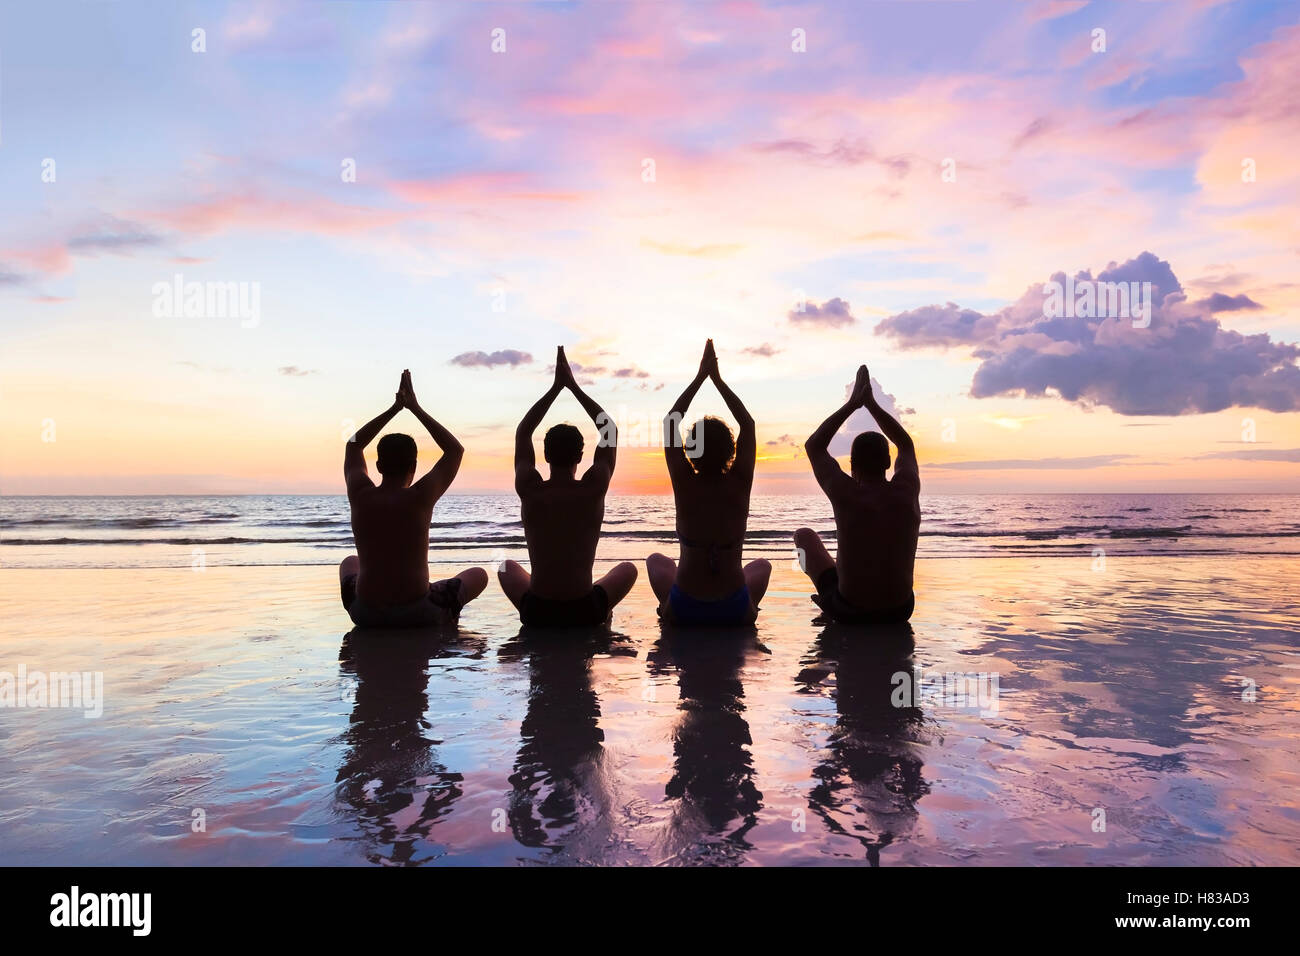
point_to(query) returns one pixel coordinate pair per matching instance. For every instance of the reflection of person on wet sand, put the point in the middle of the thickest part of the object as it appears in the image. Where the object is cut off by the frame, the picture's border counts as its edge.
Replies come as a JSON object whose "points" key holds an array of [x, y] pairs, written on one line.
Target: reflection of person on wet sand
{"points": [[869, 581], [390, 775], [713, 769], [561, 794], [869, 777]]}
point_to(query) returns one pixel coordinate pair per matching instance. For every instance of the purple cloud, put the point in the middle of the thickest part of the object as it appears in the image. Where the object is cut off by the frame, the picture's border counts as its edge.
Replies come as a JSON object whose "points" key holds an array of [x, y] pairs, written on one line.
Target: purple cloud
{"points": [[511, 357], [762, 351], [1218, 302], [841, 153], [1183, 362], [114, 235], [1257, 454], [832, 313]]}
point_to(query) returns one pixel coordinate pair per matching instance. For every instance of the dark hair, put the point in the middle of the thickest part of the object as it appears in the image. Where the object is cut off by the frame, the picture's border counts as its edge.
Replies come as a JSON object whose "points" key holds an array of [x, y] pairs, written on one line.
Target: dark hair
{"points": [[396, 455], [870, 454], [710, 439], [563, 445]]}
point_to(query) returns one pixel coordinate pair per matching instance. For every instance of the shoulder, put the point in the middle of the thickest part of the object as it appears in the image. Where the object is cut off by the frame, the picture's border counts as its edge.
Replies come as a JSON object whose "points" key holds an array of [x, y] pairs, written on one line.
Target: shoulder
{"points": [[842, 488], [528, 481], [907, 482]]}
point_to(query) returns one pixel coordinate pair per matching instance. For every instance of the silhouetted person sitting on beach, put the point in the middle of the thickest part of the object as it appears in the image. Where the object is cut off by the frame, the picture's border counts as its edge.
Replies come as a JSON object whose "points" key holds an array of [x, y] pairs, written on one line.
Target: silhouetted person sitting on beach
{"points": [[876, 520], [386, 583], [712, 476], [562, 517]]}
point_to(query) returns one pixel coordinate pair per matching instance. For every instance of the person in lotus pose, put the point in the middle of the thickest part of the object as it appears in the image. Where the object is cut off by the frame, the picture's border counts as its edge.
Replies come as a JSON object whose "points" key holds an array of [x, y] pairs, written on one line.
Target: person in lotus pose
{"points": [[562, 516], [386, 583], [712, 475], [876, 519]]}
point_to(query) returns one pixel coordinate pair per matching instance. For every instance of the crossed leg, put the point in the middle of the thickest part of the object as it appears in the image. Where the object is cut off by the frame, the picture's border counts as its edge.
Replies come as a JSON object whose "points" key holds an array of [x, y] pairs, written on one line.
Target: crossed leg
{"points": [[662, 572], [813, 556], [348, 567], [618, 582], [757, 574], [472, 583], [514, 581], [472, 580]]}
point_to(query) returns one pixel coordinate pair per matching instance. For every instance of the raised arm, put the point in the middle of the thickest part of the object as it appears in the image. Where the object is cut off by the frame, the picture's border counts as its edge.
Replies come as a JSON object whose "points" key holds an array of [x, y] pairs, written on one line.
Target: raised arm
{"points": [[746, 445], [438, 479], [525, 457], [906, 469], [825, 468], [674, 445], [602, 462], [355, 473]]}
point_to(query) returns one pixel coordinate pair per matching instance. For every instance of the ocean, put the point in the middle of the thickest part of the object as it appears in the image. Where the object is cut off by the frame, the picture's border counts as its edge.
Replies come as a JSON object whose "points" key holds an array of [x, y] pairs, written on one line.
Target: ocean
{"points": [[255, 530]]}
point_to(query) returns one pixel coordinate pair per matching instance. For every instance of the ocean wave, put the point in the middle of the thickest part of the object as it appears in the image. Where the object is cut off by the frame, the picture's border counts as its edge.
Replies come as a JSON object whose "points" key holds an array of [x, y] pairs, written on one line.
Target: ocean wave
{"points": [[1179, 532], [92, 522]]}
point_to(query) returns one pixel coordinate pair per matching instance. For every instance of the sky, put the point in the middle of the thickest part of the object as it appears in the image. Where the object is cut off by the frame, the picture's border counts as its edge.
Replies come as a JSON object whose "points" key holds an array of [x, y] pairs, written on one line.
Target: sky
{"points": [[458, 188]]}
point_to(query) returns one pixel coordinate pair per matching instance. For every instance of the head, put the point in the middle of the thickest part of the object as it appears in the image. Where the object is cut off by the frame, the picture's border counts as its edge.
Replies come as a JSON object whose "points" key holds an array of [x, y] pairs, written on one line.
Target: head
{"points": [[563, 448], [397, 458], [869, 457], [709, 446]]}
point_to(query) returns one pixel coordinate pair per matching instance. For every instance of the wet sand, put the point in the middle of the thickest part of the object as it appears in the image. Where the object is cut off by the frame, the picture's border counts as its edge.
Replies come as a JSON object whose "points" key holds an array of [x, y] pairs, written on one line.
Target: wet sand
{"points": [[237, 698]]}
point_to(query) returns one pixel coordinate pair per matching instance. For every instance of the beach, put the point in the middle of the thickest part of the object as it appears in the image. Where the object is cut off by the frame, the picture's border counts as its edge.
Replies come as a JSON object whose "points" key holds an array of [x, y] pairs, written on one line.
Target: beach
{"points": [[1140, 712]]}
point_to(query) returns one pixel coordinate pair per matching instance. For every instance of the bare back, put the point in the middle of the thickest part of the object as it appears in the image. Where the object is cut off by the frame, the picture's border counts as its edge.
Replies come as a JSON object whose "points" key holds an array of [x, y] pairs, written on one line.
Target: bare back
{"points": [[712, 514], [876, 528], [562, 519], [391, 530]]}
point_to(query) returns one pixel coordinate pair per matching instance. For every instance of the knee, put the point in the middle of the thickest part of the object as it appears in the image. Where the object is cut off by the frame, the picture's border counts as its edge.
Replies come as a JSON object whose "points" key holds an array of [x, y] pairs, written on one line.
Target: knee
{"points": [[508, 568], [656, 558], [349, 564], [475, 578], [760, 566], [804, 537], [627, 569]]}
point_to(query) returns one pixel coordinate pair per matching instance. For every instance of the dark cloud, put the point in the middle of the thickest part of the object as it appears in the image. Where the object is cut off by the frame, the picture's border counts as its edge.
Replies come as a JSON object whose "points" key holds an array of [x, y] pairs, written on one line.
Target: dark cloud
{"points": [[114, 235], [630, 373], [939, 325], [1218, 302], [832, 313], [1185, 362], [1034, 130], [1257, 454], [840, 153], [511, 357], [998, 464], [762, 351]]}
